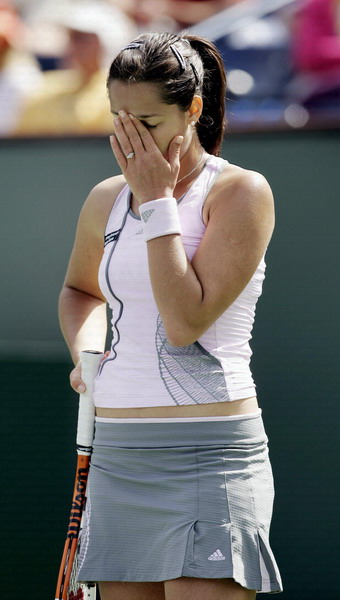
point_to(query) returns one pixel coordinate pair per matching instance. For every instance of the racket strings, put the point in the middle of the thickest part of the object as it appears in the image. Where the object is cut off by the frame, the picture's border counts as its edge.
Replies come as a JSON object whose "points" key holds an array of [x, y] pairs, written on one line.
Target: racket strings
{"points": [[76, 590]]}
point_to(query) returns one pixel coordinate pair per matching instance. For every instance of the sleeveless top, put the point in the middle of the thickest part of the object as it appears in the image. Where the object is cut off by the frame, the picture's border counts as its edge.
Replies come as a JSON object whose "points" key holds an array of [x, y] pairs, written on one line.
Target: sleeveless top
{"points": [[143, 369]]}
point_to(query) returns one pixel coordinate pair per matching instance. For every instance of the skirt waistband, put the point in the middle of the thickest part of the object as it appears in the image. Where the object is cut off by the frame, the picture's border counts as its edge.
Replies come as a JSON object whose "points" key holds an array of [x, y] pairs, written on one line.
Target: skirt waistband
{"points": [[246, 431]]}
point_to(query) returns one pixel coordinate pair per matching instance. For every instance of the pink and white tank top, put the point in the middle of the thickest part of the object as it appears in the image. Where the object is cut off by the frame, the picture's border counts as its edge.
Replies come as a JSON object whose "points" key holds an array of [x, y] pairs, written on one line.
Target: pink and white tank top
{"points": [[143, 369]]}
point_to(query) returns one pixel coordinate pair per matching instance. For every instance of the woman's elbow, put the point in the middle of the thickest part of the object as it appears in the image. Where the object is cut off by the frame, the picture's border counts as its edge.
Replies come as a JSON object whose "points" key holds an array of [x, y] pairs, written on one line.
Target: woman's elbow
{"points": [[183, 335]]}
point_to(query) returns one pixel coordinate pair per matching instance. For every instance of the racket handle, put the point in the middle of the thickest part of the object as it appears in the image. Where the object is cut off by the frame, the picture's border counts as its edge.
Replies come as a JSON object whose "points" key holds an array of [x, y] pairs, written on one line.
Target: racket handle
{"points": [[90, 361]]}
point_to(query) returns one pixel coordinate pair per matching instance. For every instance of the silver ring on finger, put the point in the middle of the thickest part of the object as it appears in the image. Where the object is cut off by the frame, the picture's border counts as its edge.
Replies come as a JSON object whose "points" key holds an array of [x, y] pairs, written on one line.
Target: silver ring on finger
{"points": [[130, 155]]}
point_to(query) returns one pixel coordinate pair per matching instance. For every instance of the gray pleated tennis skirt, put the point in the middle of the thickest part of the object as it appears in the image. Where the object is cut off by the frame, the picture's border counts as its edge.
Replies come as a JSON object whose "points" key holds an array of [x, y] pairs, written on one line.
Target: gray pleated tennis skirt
{"points": [[180, 499]]}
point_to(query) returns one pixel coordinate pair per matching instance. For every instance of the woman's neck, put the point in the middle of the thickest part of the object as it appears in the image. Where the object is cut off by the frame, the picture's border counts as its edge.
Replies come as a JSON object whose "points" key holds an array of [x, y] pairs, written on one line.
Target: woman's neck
{"points": [[191, 167]]}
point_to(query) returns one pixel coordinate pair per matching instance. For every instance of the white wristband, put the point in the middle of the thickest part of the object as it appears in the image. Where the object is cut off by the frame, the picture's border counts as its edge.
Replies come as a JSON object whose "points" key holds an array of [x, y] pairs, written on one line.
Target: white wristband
{"points": [[160, 217]]}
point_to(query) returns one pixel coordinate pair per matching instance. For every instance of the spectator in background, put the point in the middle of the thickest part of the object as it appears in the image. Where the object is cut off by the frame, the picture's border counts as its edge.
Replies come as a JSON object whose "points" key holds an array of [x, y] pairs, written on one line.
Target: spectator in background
{"points": [[189, 12], [316, 48], [19, 72], [171, 15], [73, 100], [149, 15]]}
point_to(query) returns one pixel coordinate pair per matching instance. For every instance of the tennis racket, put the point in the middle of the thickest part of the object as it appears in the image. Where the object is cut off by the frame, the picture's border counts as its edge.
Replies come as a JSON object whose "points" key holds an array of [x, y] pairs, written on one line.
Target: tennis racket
{"points": [[67, 587]]}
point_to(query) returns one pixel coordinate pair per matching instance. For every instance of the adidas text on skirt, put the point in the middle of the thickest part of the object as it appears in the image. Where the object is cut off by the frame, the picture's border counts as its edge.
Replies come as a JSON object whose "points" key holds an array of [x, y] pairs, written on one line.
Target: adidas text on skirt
{"points": [[172, 499]]}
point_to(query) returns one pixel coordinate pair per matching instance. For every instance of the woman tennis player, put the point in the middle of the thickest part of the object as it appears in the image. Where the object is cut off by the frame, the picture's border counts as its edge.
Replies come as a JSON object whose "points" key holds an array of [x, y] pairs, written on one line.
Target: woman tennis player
{"points": [[180, 488]]}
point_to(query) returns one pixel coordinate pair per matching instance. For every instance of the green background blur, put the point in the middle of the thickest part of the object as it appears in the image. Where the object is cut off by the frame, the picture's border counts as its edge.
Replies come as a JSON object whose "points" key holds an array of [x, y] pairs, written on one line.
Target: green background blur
{"points": [[295, 344]]}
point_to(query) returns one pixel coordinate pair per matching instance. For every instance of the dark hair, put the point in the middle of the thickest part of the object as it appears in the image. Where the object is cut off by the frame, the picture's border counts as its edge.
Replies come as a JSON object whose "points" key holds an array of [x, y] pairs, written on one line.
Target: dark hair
{"points": [[182, 67]]}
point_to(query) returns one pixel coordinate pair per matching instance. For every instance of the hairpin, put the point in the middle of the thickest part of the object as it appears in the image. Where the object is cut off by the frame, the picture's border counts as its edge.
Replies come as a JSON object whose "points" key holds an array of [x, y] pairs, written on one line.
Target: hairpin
{"points": [[195, 73], [179, 57], [132, 45]]}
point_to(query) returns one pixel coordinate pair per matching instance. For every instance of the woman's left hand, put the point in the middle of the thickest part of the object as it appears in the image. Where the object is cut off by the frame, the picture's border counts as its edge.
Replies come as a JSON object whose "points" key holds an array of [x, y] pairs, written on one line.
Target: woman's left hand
{"points": [[148, 173]]}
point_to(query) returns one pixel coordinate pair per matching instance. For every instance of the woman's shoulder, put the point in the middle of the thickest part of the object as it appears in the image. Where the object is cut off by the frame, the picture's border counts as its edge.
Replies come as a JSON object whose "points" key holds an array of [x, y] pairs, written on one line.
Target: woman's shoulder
{"points": [[239, 187], [100, 201], [234, 178], [106, 191], [104, 194]]}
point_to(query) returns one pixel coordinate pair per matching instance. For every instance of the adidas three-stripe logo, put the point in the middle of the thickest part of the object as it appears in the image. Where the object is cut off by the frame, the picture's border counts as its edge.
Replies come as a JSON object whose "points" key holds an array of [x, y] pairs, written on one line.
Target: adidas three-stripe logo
{"points": [[147, 214], [217, 555]]}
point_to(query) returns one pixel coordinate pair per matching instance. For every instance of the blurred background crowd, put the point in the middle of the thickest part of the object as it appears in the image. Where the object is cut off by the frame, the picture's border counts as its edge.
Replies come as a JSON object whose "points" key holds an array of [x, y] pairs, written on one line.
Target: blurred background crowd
{"points": [[282, 59]]}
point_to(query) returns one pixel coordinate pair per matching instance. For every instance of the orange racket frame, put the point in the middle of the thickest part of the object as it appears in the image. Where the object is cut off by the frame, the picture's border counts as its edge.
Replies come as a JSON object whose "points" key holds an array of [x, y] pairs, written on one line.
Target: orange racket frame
{"points": [[90, 361]]}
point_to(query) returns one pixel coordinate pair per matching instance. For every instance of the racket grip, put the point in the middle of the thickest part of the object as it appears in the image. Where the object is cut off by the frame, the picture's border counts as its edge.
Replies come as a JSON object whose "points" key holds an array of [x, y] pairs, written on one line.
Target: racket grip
{"points": [[90, 361]]}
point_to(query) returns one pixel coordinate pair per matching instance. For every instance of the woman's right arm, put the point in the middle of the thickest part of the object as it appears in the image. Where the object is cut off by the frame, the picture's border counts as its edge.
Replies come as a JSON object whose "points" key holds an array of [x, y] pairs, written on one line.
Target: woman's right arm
{"points": [[82, 307]]}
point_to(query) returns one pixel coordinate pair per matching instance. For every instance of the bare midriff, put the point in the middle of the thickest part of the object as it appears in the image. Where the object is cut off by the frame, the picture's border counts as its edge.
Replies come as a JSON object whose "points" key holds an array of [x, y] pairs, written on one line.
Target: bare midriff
{"points": [[218, 409]]}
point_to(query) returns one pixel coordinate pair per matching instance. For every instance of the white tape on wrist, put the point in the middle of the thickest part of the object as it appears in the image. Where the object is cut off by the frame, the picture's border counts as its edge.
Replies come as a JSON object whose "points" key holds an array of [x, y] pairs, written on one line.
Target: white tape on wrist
{"points": [[160, 217]]}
